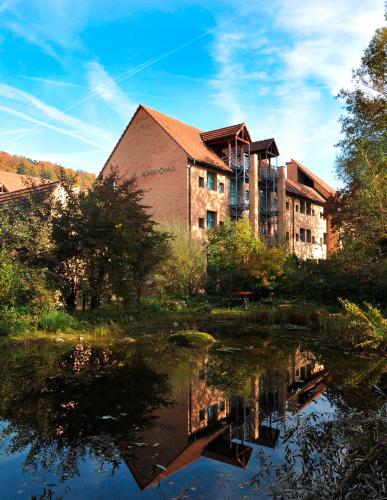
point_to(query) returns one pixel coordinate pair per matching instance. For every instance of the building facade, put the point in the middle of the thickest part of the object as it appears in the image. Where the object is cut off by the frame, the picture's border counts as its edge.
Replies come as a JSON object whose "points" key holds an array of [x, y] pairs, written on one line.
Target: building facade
{"points": [[201, 178]]}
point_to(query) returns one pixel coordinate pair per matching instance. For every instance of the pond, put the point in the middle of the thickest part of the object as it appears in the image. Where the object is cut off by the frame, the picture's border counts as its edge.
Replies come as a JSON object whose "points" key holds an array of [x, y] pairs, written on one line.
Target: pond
{"points": [[153, 420]]}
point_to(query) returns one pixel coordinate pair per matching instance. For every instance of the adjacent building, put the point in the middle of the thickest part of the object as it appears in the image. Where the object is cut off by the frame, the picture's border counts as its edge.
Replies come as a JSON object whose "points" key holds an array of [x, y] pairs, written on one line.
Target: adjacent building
{"points": [[200, 178], [16, 187]]}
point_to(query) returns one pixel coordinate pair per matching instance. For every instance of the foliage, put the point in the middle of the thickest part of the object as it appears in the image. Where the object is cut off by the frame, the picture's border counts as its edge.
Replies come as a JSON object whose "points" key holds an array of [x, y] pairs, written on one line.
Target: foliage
{"points": [[21, 285], [365, 327], [360, 210], [106, 243], [43, 169], [325, 280], [329, 458], [183, 273], [239, 261], [53, 321]]}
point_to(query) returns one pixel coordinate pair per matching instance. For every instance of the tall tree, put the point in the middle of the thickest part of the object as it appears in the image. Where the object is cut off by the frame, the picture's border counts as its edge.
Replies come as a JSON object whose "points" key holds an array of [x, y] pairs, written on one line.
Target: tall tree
{"points": [[106, 240], [360, 210]]}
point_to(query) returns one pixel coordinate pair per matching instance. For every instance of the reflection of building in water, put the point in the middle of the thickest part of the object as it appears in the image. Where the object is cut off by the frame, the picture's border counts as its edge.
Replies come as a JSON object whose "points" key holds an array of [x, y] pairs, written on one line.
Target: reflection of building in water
{"points": [[195, 424], [205, 421]]}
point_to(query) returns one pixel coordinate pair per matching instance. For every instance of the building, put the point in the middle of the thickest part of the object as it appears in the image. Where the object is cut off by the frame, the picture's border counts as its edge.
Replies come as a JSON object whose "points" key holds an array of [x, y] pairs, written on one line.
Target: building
{"points": [[10, 181], [206, 421], [14, 188], [201, 178]]}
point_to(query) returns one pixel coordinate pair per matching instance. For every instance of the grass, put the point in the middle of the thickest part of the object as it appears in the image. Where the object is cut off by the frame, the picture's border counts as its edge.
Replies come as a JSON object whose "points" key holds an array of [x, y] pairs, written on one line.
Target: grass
{"points": [[162, 315]]}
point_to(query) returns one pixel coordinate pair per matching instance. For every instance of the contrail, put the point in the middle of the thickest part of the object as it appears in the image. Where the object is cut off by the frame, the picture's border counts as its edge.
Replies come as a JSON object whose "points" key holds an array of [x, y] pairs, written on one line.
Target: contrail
{"points": [[150, 62]]}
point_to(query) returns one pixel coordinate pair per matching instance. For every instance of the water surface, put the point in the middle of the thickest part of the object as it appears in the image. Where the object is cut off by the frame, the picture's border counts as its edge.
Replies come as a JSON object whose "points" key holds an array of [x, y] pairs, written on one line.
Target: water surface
{"points": [[152, 420]]}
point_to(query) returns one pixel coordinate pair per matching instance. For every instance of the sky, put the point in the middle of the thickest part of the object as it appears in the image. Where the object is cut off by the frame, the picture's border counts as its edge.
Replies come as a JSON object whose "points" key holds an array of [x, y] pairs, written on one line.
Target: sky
{"points": [[72, 72]]}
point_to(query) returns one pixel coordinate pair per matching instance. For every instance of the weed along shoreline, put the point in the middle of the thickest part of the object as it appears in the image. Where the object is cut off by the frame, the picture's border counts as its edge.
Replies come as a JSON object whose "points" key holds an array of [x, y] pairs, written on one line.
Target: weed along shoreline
{"points": [[289, 321]]}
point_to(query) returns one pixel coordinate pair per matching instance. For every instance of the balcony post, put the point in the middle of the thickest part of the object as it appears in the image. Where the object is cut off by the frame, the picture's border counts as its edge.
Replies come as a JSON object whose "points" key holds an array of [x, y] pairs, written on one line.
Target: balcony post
{"points": [[254, 195]]}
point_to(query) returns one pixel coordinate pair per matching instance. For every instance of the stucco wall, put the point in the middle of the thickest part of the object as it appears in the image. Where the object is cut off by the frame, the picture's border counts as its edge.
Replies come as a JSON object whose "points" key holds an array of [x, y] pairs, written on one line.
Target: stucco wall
{"points": [[315, 223], [160, 165]]}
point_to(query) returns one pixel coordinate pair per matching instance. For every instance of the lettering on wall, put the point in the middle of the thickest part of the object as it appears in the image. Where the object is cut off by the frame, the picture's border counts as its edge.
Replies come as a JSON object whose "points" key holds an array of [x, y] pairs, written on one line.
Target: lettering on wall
{"points": [[161, 171]]}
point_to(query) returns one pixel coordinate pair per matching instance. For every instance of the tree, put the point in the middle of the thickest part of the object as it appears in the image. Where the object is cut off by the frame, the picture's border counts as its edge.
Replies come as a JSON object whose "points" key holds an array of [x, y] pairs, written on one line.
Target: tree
{"points": [[360, 210], [183, 272], [239, 261], [106, 241]]}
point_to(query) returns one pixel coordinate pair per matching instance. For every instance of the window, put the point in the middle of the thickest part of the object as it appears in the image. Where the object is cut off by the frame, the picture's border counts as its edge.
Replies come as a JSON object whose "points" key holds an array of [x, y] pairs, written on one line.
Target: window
{"points": [[202, 414], [325, 238], [287, 205], [302, 207], [221, 187], [287, 235], [309, 236], [320, 241], [211, 181], [313, 212], [302, 234], [211, 219], [201, 182], [297, 237], [308, 208], [297, 208], [222, 406], [201, 222], [212, 414], [221, 223], [247, 194], [321, 215], [313, 239]]}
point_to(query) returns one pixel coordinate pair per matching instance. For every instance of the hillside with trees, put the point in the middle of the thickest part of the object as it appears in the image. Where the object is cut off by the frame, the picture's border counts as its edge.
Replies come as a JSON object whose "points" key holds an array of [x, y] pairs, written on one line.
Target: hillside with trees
{"points": [[45, 169]]}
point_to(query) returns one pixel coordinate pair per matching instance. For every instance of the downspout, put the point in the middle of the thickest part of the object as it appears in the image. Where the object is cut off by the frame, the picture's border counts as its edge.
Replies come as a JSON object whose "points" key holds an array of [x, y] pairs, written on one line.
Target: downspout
{"points": [[293, 235], [189, 198]]}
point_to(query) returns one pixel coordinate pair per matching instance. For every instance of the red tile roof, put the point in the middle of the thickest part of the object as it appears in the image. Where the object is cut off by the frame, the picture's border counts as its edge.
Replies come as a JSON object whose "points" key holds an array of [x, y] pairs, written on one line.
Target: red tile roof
{"points": [[218, 133], [188, 138], [315, 178], [264, 145], [48, 187], [12, 181], [303, 191]]}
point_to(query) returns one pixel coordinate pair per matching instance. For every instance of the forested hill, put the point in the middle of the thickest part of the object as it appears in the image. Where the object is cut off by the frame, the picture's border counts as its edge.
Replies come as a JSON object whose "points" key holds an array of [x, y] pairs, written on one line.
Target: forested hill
{"points": [[44, 169]]}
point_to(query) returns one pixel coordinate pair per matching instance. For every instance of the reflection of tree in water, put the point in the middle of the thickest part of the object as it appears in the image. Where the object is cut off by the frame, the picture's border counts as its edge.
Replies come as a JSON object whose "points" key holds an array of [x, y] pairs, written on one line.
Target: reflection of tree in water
{"points": [[235, 371], [96, 398], [356, 382]]}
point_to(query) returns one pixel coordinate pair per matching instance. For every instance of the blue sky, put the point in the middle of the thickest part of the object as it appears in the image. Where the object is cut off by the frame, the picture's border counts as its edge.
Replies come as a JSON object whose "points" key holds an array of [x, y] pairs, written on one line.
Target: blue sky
{"points": [[73, 72]]}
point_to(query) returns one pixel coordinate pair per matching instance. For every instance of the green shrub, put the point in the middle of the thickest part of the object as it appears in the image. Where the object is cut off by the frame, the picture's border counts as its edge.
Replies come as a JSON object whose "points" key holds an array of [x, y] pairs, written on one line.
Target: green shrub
{"points": [[22, 286], [53, 321], [366, 327]]}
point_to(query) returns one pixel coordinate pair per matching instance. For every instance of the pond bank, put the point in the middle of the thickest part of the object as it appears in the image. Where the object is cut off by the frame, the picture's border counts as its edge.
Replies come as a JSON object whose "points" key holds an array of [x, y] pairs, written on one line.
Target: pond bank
{"points": [[284, 320]]}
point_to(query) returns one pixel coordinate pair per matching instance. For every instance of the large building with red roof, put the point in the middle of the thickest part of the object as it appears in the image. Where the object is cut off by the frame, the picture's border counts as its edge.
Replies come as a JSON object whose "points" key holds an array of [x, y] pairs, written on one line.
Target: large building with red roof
{"points": [[200, 178]]}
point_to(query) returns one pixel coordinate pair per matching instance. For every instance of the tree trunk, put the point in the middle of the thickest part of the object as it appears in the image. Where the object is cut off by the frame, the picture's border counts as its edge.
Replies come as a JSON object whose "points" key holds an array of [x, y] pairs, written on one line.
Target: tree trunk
{"points": [[71, 300]]}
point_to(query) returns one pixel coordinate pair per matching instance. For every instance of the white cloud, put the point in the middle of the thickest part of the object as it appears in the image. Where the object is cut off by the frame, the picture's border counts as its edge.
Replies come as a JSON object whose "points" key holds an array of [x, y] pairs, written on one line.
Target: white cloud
{"points": [[281, 81], [27, 107], [329, 37], [105, 87]]}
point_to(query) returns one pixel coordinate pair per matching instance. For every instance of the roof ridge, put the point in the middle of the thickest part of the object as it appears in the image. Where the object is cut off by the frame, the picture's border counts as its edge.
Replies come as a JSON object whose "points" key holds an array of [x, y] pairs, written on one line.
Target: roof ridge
{"points": [[223, 128], [324, 184], [29, 188], [152, 110]]}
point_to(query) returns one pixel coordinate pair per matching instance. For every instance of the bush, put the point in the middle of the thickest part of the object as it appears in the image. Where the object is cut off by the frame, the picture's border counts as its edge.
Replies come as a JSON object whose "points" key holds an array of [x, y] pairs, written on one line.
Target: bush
{"points": [[366, 327], [182, 273], [326, 280], [22, 286], [53, 321]]}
